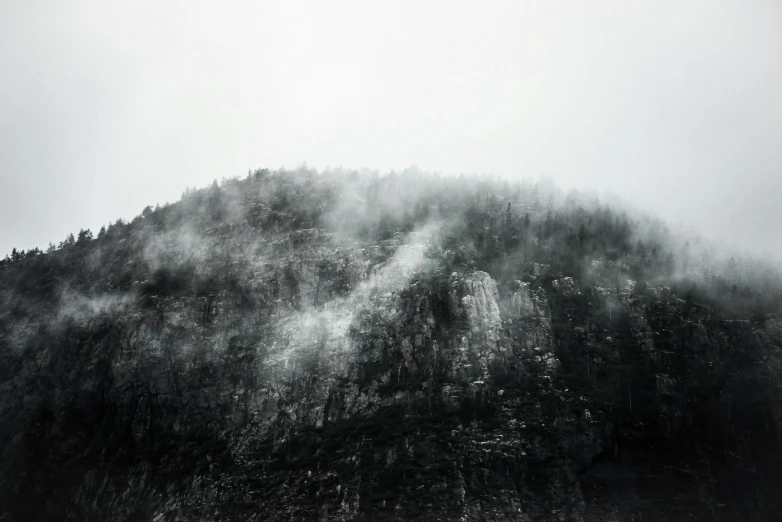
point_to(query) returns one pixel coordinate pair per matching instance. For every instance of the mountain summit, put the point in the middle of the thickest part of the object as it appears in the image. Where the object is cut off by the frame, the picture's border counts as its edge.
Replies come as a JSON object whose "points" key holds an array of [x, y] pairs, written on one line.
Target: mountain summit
{"points": [[348, 346]]}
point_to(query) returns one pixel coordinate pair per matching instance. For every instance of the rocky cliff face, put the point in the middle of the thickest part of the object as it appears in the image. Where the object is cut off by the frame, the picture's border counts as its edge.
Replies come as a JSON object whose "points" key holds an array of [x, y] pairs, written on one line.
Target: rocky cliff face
{"points": [[375, 382]]}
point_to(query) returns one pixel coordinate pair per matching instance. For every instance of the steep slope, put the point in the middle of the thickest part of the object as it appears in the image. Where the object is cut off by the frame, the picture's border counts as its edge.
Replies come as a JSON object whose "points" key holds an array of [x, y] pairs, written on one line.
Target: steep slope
{"points": [[339, 347]]}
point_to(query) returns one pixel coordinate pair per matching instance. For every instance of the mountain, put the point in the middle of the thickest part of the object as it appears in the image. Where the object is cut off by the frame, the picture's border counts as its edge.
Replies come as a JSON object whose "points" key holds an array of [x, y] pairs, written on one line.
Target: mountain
{"points": [[349, 346]]}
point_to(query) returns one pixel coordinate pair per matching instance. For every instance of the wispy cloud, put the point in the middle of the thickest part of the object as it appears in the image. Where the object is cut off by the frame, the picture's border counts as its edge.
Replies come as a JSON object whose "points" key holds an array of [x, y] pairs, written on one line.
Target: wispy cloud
{"points": [[329, 326], [81, 307]]}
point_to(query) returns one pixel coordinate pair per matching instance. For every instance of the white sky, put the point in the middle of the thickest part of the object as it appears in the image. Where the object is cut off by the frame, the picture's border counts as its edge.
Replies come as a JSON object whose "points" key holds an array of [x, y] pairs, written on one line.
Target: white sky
{"points": [[107, 106]]}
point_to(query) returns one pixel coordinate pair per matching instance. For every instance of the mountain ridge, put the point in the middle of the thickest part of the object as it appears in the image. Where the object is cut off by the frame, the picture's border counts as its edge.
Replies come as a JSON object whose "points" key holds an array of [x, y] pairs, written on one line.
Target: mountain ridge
{"points": [[344, 347]]}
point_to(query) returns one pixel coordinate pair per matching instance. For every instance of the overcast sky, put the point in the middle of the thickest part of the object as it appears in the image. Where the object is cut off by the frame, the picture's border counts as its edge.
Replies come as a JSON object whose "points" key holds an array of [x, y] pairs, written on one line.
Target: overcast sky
{"points": [[108, 106]]}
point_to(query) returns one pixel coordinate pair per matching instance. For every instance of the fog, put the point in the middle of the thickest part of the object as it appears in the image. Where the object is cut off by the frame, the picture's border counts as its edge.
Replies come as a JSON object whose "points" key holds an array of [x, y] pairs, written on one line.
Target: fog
{"points": [[672, 106], [377, 293]]}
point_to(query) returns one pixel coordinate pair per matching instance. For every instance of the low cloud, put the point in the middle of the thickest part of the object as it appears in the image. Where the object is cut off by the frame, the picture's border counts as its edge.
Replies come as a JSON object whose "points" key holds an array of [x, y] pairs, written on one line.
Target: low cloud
{"points": [[329, 326]]}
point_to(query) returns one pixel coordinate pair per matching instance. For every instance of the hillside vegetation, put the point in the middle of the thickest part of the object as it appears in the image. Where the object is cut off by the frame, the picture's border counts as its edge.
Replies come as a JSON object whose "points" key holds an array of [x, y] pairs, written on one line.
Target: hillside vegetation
{"points": [[349, 346]]}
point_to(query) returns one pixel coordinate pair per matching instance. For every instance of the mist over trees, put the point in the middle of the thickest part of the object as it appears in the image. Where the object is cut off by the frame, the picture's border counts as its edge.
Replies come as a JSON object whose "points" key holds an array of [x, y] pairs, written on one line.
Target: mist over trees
{"points": [[214, 236], [289, 320]]}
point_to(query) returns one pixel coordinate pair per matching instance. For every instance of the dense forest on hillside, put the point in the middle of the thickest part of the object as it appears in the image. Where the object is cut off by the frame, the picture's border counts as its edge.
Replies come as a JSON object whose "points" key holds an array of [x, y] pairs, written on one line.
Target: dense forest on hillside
{"points": [[296, 345], [212, 237]]}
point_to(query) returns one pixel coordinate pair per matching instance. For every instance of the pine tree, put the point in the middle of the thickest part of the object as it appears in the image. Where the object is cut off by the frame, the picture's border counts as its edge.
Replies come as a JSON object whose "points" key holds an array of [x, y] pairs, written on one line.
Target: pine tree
{"points": [[68, 241], [84, 236]]}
